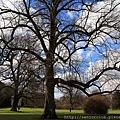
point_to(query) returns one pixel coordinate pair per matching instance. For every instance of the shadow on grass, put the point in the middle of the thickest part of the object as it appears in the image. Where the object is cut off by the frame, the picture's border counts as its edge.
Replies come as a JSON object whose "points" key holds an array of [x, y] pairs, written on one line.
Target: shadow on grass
{"points": [[61, 117], [20, 117]]}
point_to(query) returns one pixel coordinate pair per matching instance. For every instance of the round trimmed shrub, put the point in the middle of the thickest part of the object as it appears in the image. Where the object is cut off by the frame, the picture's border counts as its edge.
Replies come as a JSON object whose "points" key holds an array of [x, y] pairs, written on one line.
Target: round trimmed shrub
{"points": [[95, 105]]}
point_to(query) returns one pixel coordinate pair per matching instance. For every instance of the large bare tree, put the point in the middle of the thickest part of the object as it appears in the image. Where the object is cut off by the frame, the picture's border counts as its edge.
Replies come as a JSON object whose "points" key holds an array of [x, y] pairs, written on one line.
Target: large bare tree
{"points": [[20, 70], [56, 31]]}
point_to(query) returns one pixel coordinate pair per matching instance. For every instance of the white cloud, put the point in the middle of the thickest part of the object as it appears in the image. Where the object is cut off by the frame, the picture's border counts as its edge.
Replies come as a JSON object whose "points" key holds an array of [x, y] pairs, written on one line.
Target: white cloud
{"points": [[70, 14], [11, 4], [110, 85], [110, 79], [105, 12], [102, 12], [58, 93]]}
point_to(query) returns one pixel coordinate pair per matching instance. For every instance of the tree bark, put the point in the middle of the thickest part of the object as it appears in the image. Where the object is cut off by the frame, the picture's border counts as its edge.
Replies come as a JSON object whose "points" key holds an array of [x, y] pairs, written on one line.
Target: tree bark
{"points": [[49, 106], [15, 103]]}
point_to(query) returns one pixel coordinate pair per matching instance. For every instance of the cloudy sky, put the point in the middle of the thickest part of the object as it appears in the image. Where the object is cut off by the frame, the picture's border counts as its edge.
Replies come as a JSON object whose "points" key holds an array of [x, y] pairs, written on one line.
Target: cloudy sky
{"points": [[100, 9]]}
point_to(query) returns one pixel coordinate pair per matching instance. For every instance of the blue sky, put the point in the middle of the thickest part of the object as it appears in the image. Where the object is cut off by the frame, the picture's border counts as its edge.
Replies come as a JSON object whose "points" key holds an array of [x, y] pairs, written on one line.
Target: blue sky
{"points": [[90, 54]]}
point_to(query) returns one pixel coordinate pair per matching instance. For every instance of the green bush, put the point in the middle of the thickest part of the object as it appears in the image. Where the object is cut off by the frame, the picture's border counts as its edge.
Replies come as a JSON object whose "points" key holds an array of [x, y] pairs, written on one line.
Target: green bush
{"points": [[95, 105]]}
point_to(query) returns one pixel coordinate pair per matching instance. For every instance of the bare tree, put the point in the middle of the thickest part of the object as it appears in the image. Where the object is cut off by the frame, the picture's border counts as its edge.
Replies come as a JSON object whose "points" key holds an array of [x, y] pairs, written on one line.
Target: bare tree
{"points": [[5, 94], [60, 30], [19, 71]]}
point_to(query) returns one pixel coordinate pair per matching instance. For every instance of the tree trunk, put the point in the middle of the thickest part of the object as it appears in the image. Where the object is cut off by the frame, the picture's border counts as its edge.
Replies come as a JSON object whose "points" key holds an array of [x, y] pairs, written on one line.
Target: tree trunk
{"points": [[49, 106], [15, 103]]}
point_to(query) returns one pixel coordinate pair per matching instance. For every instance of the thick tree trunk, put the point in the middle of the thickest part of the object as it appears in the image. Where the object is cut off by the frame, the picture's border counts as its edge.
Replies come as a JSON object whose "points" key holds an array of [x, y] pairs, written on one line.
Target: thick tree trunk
{"points": [[15, 103], [49, 106]]}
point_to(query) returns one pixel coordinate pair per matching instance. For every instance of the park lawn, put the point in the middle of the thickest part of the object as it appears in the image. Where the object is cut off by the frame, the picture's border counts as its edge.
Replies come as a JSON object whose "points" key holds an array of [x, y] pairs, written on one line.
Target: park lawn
{"points": [[35, 113], [110, 111], [38, 111], [23, 114], [22, 110]]}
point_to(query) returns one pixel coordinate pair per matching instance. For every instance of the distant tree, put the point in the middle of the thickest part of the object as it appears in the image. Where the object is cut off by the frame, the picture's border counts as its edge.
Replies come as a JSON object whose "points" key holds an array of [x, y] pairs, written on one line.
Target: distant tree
{"points": [[116, 100], [74, 101], [34, 99], [20, 72], [57, 31], [1, 85], [34, 94], [5, 95]]}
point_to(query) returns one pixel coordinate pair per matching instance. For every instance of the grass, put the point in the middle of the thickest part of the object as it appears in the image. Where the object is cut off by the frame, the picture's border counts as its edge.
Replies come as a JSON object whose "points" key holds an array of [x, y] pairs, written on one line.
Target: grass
{"points": [[113, 111], [22, 111], [35, 113]]}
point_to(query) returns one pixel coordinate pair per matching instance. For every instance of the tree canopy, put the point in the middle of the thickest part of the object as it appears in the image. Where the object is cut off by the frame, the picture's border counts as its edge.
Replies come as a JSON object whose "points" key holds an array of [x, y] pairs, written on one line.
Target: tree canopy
{"points": [[69, 37]]}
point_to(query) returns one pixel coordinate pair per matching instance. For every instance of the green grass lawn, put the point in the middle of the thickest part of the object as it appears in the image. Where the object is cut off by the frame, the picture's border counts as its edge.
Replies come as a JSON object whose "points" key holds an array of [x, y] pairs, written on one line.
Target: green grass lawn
{"points": [[35, 113], [113, 111]]}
